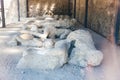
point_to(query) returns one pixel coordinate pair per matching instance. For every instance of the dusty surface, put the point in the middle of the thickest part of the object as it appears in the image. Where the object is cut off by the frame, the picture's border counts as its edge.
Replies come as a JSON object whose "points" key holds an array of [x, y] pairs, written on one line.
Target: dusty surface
{"points": [[9, 57]]}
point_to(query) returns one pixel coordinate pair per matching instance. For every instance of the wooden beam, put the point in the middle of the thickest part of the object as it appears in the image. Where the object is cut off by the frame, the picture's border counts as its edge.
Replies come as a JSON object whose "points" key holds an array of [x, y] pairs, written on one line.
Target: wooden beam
{"points": [[3, 14], [86, 14]]}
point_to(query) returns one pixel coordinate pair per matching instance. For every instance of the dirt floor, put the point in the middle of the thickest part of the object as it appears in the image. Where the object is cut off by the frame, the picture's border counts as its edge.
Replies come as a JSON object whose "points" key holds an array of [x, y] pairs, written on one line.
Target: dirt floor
{"points": [[9, 57]]}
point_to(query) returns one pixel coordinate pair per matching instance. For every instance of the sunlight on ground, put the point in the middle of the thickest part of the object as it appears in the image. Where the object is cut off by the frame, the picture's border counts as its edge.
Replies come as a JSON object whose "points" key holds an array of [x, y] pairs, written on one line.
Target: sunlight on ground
{"points": [[13, 50]]}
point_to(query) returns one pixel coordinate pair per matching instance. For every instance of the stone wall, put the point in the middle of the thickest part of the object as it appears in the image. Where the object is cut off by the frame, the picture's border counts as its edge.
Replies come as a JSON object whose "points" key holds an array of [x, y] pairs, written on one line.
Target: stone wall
{"points": [[12, 14], [23, 8], [101, 15], [60, 6]]}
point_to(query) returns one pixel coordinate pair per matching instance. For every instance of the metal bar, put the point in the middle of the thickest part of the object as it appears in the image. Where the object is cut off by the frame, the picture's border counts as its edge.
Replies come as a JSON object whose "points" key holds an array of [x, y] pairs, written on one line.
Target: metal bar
{"points": [[69, 12], [3, 14], [74, 8], [117, 25], [86, 14], [27, 8], [18, 3]]}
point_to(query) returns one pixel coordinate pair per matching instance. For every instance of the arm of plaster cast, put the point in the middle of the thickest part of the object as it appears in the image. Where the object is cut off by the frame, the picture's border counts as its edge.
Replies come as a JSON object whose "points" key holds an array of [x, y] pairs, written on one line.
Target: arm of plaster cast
{"points": [[25, 31], [42, 36]]}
